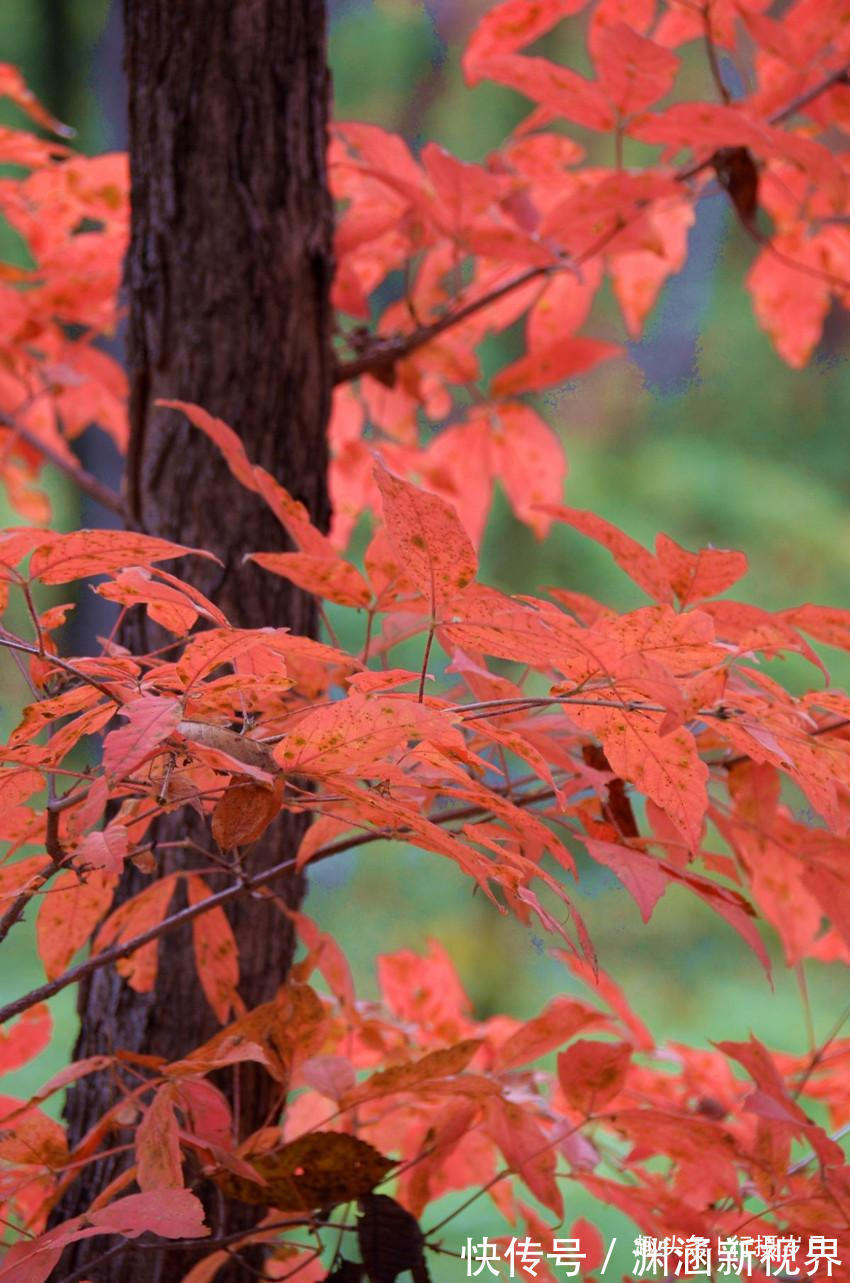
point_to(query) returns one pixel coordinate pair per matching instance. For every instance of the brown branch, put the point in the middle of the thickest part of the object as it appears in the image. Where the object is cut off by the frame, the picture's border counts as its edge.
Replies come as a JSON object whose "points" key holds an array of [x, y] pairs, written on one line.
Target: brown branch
{"points": [[82, 479], [386, 351], [54, 849], [14, 643], [711, 54], [802, 100], [16, 910]]}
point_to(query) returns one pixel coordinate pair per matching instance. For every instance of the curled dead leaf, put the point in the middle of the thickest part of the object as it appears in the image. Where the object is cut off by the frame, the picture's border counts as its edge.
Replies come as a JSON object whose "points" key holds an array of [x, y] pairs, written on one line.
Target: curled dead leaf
{"points": [[244, 811], [315, 1171]]}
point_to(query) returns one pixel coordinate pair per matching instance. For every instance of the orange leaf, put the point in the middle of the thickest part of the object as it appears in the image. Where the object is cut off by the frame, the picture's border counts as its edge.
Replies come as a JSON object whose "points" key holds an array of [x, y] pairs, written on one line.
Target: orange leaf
{"points": [[328, 577], [443, 1063], [167, 604], [34, 1139], [24, 1040], [216, 952], [228, 442], [592, 1073], [355, 731], [150, 721], [552, 364], [244, 812], [158, 1156], [509, 26], [68, 916], [351, 733], [14, 87], [556, 1024], [635, 72], [433, 547], [631, 556], [666, 768], [695, 575], [145, 910], [99, 552]]}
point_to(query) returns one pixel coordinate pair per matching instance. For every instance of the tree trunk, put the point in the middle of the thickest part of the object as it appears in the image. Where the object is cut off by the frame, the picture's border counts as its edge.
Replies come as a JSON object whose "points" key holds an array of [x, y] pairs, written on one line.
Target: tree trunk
{"points": [[228, 276]]}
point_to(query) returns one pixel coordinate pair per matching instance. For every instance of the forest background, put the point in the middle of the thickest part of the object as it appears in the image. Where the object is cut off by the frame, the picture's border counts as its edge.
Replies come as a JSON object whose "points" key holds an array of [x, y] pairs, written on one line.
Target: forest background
{"points": [[700, 430]]}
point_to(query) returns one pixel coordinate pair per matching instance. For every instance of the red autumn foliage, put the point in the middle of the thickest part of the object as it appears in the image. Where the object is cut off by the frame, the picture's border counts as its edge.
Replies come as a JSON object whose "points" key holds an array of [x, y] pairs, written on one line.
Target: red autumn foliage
{"points": [[504, 776]]}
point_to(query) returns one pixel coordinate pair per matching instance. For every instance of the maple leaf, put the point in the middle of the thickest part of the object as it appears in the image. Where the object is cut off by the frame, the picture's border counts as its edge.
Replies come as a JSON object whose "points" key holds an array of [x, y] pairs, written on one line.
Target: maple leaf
{"points": [[429, 540]]}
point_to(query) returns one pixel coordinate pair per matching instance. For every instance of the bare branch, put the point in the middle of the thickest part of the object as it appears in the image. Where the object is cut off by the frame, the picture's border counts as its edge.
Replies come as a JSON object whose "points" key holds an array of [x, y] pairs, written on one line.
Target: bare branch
{"points": [[14, 643], [385, 352], [711, 54], [837, 77]]}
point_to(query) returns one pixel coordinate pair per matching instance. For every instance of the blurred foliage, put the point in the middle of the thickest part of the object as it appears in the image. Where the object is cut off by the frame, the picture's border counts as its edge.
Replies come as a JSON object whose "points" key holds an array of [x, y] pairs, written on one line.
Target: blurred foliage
{"points": [[700, 431]]}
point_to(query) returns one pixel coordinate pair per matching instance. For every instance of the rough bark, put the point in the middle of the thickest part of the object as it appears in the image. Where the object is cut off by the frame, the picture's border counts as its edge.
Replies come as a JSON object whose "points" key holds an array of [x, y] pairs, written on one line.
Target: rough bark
{"points": [[228, 277]]}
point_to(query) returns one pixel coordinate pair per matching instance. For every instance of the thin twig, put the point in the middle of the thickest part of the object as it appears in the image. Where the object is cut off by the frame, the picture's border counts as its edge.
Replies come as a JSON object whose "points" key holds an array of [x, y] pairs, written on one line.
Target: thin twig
{"points": [[14, 643], [386, 351], [711, 54], [802, 100], [423, 675]]}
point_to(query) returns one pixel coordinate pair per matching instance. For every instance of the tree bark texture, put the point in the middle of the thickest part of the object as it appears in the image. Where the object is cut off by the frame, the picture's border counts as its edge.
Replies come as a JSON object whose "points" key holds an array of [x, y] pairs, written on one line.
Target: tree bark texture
{"points": [[228, 277]]}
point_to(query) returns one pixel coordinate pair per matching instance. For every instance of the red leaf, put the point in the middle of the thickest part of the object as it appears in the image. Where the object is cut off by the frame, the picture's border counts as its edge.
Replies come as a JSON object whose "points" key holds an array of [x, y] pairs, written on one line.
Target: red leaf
{"points": [[592, 1073], [642, 876], [216, 953], [433, 547], [828, 624], [552, 364], [328, 577], [24, 1040], [99, 552], [529, 460], [159, 1162], [291, 514], [104, 850], [351, 733], [35, 1140], [631, 556], [228, 442], [790, 305], [68, 916], [512, 25], [527, 1150], [563, 307], [558, 89], [635, 72], [145, 910], [695, 575], [466, 193], [150, 721], [177, 1214], [561, 1019]]}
